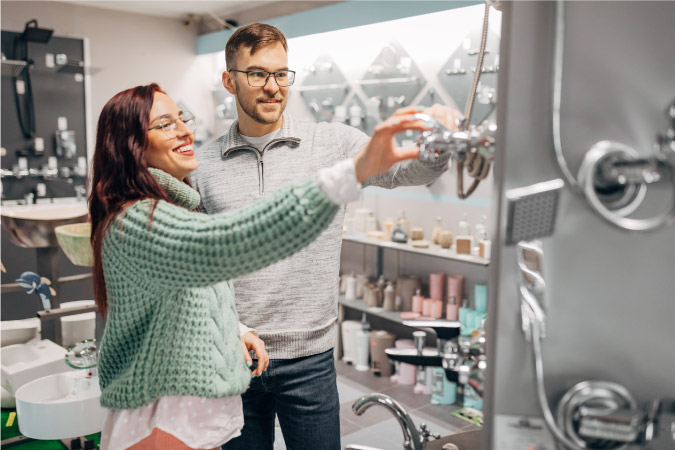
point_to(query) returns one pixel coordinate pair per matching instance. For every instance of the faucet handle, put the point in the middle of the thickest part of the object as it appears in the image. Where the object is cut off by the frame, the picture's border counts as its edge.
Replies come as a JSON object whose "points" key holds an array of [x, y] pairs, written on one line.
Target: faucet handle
{"points": [[444, 329], [426, 434]]}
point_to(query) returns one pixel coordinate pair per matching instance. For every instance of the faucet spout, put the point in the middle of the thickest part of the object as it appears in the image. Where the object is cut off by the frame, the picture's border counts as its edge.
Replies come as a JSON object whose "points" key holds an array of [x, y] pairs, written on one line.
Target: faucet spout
{"points": [[410, 433]]}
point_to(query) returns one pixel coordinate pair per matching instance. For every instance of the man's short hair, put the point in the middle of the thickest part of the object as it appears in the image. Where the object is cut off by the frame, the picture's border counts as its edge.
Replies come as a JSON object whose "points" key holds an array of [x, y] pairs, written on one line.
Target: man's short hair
{"points": [[253, 36]]}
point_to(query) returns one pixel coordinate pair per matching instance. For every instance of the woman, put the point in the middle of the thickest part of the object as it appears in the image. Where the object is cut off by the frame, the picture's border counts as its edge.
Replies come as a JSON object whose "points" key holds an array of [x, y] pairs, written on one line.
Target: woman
{"points": [[171, 363]]}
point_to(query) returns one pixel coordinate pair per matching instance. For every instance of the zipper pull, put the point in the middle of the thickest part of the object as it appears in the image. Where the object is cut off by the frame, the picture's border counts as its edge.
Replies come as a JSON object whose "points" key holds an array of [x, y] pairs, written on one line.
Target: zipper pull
{"points": [[261, 175]]}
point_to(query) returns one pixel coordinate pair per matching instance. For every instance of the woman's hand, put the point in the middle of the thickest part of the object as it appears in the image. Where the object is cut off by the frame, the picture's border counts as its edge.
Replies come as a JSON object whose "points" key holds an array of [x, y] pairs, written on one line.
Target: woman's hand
{"points": [[250, 341], [380, 153]]}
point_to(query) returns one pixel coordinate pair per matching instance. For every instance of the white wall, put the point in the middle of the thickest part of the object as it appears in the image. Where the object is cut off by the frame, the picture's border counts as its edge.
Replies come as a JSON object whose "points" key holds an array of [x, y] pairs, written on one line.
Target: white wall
{"points": [[125, 50]]}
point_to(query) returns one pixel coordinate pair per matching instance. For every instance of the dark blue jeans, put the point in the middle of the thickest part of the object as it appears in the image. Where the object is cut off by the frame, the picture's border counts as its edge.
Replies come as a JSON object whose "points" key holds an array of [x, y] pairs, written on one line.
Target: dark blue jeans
{"points": [[302, 392]]}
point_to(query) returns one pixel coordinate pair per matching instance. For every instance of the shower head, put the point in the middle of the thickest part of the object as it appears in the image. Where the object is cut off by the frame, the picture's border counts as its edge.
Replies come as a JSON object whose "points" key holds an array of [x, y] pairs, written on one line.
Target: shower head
{"points": [[12, 69], [32, 33], [531, 211]]}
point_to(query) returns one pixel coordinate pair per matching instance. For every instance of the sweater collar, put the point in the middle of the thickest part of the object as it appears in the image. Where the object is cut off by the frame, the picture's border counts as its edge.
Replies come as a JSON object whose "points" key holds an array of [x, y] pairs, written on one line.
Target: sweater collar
{"points": [[233, 140], [179, 192]]}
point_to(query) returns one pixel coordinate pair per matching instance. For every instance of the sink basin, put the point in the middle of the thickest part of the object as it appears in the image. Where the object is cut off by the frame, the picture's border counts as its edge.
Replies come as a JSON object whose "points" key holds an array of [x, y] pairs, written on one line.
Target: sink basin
{"points": [[74, 240], [61, 406], [23, 363], [19, 331], [32, 226]]}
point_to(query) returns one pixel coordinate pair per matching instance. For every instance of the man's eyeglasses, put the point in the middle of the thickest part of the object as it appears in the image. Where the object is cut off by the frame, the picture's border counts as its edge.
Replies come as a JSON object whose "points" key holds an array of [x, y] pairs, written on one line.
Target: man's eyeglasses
{"points": [[259, 78], [170, 125]]}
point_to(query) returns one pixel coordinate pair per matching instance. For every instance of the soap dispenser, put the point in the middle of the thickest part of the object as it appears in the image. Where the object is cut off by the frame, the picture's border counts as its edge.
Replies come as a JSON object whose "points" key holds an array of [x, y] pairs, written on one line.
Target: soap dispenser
{"points": [[399, 235]]}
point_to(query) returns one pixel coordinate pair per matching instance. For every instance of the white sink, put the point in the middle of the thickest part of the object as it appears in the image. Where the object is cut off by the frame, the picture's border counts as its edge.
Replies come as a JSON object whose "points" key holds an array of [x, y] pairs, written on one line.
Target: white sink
{"points": [[33, 225], [62, 406], [19, 331], [23, 363]]}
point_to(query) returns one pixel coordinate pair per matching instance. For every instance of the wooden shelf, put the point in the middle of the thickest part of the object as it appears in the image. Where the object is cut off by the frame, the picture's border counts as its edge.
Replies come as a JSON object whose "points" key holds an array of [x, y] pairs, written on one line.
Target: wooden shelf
{"points": [[434, 250]]}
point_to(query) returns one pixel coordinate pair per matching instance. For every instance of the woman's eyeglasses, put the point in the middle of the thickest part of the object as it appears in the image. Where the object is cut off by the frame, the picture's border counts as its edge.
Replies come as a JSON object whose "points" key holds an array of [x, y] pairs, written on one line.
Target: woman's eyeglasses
{"points": [[170, 125]]}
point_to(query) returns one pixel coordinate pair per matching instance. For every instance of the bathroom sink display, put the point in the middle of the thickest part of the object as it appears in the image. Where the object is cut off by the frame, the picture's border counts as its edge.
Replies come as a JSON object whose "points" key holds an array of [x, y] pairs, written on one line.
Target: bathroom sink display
{"points": [[19, 331], [61, 406], [75, 242], [32, 226], [23, 363]]}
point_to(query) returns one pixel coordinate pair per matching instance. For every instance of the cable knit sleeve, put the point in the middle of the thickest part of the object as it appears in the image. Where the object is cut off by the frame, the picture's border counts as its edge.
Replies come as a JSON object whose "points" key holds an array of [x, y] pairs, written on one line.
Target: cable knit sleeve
{"points": [[180, 248]]}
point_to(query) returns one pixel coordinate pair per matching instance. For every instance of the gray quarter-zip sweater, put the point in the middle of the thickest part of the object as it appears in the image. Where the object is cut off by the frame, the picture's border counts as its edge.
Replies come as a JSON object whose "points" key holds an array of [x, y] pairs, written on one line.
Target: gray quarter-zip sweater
{"points": [[292, 303]]}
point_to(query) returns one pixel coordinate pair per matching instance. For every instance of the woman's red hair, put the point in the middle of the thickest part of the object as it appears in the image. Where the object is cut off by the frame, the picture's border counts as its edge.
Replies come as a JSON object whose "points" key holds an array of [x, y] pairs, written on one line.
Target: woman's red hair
{"points": [[120, 175]]}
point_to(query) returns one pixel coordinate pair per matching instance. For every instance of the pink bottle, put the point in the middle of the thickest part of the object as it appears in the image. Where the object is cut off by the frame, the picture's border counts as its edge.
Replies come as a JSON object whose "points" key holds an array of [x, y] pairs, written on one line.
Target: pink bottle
{"points": [[436, 285], [407, 374], [417, 302], [436, 309], [426, 307], [452, 309], [455, 287]]}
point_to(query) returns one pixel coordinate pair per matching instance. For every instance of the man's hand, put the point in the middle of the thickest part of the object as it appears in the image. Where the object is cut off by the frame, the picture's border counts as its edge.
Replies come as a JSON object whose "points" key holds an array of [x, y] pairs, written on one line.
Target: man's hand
{"points": [[250, 341]]}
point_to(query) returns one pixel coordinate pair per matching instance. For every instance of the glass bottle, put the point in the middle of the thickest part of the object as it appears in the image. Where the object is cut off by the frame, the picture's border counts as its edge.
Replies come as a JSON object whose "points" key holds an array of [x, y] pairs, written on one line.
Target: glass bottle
{"points": [[464, 228], [438, 229]]}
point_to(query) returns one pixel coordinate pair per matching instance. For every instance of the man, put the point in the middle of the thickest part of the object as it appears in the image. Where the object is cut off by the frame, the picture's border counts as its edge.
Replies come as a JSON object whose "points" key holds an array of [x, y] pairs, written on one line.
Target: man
{"points": [[293, 303]]}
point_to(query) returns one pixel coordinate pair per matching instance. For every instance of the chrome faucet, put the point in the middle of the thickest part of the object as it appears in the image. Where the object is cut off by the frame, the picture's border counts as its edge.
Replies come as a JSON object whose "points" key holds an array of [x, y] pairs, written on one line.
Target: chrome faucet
{"points": [[413, 439]]}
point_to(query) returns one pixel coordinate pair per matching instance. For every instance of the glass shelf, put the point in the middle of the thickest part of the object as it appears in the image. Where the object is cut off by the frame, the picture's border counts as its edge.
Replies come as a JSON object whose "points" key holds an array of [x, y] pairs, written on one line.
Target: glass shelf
{"points": [[433, 250], [360, 305]]}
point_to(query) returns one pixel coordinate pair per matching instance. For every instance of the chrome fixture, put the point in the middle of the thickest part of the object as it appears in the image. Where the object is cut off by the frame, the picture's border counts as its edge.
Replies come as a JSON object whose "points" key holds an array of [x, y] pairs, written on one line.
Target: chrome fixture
{"points": [[613, 177], [471, 147], [592, 414], [474, 147], [413, 439], [84, 355], [463, 360], [531, 211], [64, 64]]}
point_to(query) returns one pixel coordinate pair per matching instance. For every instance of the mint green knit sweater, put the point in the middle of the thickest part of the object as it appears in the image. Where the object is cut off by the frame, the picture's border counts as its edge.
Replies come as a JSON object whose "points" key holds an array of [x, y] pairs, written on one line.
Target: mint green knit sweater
{"points": [[172, 327]]}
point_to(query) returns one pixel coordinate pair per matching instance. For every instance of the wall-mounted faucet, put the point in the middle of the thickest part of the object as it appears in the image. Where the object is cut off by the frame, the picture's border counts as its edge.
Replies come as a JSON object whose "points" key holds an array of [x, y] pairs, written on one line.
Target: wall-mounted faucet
{"points": [[471, 146]]}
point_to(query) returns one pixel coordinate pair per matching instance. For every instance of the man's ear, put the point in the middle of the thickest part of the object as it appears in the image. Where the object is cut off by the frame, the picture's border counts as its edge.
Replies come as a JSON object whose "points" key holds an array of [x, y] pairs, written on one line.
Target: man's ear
{"points": [[228, 82]]}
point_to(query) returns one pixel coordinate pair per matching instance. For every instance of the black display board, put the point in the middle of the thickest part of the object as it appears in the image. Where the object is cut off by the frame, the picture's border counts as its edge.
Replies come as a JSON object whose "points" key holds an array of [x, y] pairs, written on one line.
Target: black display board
{"points": [[57, 92]]}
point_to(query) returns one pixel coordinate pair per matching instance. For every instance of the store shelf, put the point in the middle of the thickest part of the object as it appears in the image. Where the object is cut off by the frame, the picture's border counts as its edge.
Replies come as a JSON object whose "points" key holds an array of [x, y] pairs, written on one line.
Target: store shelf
{"points": [[433, 250], [360, 305]]}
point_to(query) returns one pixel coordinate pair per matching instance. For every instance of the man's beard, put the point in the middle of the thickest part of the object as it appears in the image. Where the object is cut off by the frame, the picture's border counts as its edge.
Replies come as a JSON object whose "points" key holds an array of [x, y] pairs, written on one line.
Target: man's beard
{"points": [[250, 108]]}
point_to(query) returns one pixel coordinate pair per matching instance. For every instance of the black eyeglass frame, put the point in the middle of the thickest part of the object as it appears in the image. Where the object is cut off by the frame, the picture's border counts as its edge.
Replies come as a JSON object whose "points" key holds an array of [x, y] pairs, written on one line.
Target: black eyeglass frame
{"points": [[181, 117], [267, 79]]}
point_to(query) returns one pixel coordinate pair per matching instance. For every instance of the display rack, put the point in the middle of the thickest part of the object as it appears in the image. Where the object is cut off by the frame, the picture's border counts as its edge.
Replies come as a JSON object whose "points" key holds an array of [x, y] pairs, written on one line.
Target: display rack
{"points": [[434, 250]]}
